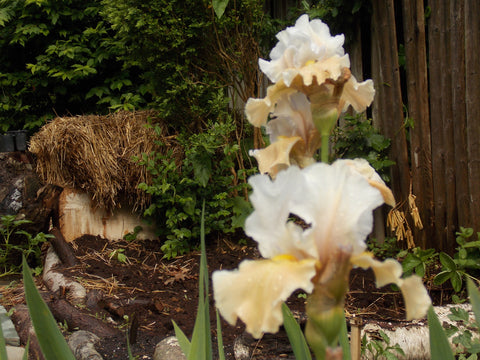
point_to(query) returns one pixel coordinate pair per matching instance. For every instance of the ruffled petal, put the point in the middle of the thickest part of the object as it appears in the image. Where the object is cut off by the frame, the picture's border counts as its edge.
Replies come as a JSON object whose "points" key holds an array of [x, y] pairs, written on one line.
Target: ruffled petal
{"points": [[358, 95], [334, 201], [417, 300], [276, 156], [257, 110], [306, 42], [291, 117], [269, 223], [255, 292], [338, 203], [365, 169], [415, 295], [386, 272]]}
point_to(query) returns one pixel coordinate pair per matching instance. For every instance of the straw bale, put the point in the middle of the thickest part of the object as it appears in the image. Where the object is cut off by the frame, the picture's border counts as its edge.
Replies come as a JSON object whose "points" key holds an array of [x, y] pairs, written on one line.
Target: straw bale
{"points": [[95, 154]]}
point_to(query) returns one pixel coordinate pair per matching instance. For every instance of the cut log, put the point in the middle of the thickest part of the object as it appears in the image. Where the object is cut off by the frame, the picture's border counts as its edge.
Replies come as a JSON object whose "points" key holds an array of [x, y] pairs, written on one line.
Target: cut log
{"points": [[24, 327], [82, 343], [63, 249], [75, 319], [56, 281]]}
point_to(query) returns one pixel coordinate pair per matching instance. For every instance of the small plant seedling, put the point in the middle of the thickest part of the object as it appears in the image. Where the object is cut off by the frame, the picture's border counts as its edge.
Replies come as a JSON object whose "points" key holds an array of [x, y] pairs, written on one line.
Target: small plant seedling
{"points": [[119, 255], [381, 348]]}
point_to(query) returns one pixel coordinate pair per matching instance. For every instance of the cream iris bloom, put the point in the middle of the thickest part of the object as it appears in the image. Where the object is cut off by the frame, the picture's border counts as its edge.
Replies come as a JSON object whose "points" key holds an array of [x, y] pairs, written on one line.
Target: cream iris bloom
{"points": [[293, 136], [335, 203], [306, 62], [300, 46]]}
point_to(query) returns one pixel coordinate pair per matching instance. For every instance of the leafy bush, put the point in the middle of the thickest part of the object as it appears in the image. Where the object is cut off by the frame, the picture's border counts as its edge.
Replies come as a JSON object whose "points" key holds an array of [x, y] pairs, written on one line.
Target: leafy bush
{"points": [[59, 57], [465, 263], [207, 171], [358, 138], [12, 250]]}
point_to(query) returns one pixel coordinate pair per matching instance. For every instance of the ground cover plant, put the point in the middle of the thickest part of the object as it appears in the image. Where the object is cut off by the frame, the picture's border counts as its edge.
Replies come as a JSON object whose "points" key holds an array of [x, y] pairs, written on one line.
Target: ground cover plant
{"points": [[15, 243]]}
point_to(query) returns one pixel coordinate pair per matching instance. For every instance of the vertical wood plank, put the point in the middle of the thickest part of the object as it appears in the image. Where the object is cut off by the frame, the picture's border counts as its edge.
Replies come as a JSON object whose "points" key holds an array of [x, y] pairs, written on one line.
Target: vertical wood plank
{"points": [[448, 128], [437, 65], [457, 56], [388, 106], [418, 108], [472, 91]]}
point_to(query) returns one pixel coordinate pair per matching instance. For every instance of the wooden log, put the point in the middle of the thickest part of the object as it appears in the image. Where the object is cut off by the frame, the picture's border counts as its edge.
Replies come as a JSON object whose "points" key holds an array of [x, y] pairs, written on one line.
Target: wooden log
{"points": [[75, 319], [63, 249], [24, 327], [56, 281]]}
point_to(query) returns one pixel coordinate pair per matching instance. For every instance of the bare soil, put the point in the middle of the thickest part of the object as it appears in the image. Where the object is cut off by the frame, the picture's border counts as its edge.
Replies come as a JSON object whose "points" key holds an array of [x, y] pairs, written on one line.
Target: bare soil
{"points": [[153, 292]]}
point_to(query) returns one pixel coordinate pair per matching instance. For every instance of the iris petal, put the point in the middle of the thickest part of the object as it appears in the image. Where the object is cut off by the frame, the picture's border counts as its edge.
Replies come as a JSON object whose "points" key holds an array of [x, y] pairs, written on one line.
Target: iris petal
{"points": [[417, 300], [255, 292]]}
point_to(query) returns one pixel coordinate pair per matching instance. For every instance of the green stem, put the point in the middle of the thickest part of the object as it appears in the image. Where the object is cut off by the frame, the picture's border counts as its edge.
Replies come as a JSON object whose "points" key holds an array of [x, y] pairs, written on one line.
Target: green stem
{"points": [[325, 148]]}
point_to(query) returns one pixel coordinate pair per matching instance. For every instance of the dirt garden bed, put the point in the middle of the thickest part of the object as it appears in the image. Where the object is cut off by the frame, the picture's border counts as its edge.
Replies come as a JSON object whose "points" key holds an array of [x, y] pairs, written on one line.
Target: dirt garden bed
{"points": [[153, 291]]}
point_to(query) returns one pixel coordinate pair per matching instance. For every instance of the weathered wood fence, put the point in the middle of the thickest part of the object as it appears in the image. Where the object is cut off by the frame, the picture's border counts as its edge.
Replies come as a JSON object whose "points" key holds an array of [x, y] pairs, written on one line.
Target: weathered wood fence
{"points": [[440, 162], [438, 88]]}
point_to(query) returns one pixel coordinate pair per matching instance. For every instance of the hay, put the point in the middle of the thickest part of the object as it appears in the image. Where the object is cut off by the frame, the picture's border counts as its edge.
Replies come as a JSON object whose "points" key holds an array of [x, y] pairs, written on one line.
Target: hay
{"points": [[95, 154]]}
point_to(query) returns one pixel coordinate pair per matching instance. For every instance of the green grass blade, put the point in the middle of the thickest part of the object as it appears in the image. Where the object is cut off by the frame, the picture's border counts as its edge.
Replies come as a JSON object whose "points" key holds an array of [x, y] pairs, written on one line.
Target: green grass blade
{"points": [[27, 349], [344, 342], [129, 349], [474, 295], [3, 345], [204, 270], [182, 339], [221, 352], [439, 345], [198, 350], [295, 335], [49, 337], [201, 346]]}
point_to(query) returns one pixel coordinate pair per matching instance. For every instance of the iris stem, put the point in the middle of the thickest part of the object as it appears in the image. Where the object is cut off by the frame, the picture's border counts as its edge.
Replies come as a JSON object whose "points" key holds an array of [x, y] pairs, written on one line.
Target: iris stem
{"points": [[324, 154]]}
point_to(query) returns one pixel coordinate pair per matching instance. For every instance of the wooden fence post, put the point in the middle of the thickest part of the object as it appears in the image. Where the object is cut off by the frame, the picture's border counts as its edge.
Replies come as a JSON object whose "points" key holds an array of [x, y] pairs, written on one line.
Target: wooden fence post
{"points": [[457, 54], [472, 96], [418, 110], [388, 107], [441, 117]]}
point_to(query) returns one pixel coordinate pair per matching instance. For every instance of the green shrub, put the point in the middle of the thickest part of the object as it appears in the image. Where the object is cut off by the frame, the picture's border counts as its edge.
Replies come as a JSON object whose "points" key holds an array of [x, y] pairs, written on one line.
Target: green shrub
{"points": [[60, 58], [207, 171], [358, 138], [12, 249]]}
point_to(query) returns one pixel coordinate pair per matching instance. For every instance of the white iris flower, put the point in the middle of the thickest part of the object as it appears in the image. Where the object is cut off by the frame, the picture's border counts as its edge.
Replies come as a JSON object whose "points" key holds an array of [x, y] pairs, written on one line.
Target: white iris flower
{"points": [[332, 205]]}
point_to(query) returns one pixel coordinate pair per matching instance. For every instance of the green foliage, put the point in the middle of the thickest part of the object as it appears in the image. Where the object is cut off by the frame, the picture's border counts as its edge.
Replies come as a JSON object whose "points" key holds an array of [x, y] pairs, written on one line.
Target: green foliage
{"points": [[295, 335], [59, 57], [358, 138], [439, 345], [418, 261], [219, 7], [49, 337], [206, 171], [200, 347], [186, 53], [133, 235], [383, 250], [11, 252], [119, 255], [171, 42], [467, 346], [466, 260], [381, 348]]}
